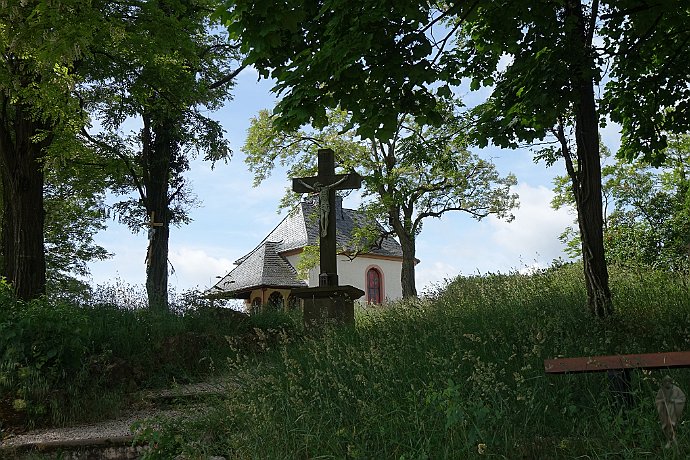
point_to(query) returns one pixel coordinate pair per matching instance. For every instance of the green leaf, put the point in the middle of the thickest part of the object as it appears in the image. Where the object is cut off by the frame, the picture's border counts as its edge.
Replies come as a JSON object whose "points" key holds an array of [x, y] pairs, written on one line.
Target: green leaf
{"points": [[444, 91]]}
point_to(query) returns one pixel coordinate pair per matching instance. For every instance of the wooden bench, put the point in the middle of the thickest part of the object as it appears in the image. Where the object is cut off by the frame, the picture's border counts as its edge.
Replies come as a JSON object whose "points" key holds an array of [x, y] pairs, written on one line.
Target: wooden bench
{"points": [[618, 367], [668, 360]]}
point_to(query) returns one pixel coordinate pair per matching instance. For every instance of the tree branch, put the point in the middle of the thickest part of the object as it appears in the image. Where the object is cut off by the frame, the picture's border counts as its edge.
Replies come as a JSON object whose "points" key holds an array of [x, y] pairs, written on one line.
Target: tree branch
{"points": [[642, 39], [446, 209], [461, 20], [592, 23], [443, 15], [175, 193], [567, 156], [629, 11], [121, 156], [437, 187], [210, 48], [227, 78]]}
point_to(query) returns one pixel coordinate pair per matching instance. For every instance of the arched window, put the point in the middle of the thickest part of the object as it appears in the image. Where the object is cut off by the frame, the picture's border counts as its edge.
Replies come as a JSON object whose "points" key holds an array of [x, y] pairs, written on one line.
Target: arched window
{"points": [[256, 305], [374, 286], [275, 301], [293, 302]]}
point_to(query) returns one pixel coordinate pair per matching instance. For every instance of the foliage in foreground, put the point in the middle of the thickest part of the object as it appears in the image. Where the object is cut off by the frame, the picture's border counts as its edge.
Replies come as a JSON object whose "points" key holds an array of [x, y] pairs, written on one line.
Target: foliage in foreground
{"points": [[455, 376], [60, 362]]}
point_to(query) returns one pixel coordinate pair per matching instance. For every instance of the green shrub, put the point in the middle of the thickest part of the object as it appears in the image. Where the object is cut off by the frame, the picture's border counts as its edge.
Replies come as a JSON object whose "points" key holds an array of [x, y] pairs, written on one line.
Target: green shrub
{"points": [[42, 355], [61, 362]]}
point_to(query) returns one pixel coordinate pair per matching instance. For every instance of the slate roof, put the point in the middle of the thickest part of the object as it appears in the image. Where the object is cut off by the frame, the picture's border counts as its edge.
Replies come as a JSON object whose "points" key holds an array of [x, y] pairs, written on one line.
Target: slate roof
{"points": [[265, 266], [301, 228], [347, 220]]}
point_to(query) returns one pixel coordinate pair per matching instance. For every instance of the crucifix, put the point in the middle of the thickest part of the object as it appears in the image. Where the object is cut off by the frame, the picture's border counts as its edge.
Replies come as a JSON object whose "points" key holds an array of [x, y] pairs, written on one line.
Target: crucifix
{"points": [[325, 183], [152, 228]]}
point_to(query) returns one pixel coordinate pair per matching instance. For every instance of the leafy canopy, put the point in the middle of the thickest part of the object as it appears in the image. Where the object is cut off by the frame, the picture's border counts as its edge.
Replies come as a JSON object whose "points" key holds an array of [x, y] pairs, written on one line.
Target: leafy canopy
{"points": [[368, 57], [649, 90], [421, 172]]}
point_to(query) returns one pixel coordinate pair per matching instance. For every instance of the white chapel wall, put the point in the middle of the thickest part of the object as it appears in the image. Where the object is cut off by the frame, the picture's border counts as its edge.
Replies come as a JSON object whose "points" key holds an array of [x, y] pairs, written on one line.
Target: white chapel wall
{"points": [[353, 272]]}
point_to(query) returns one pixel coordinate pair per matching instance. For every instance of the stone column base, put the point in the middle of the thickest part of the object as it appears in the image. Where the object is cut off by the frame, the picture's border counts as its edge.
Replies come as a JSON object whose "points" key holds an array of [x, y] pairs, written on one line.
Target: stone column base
{"points": [[328, 304]]}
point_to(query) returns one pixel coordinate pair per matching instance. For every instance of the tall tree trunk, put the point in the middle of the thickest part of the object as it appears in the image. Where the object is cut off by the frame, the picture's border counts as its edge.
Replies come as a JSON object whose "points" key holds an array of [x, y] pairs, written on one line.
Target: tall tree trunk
{"points": [[157, 158], [157, 266], [407, 275], [586, 181], [407, 242], [24, 264]]}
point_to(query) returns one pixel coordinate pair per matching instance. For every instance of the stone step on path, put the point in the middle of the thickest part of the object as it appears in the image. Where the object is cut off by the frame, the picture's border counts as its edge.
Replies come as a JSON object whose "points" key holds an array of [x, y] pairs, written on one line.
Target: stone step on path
{"points": [[112, 439]]}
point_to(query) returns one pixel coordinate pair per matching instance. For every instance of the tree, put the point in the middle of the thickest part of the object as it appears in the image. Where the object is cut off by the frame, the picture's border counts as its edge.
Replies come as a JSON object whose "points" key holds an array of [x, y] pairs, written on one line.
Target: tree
{"points": [[649, 90], [74, 201], [647, 218], [377, 59], [548, 89], [74, 212], [41, 44], [420, 172], [167, 68]]}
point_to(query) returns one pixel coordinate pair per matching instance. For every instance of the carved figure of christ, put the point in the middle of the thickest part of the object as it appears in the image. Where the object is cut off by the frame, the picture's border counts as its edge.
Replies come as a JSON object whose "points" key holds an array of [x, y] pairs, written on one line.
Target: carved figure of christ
{"points": [[325, 183]]}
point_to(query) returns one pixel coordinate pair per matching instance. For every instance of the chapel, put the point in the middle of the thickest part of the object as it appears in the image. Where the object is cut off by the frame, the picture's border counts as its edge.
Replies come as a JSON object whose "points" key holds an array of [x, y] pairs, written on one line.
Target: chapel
{"points": [[266, 276]]}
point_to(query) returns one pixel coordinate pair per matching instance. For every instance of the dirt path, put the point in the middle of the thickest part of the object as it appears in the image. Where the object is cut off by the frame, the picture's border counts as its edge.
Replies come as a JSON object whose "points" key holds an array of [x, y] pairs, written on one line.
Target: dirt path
{"points": [[114, 438]]}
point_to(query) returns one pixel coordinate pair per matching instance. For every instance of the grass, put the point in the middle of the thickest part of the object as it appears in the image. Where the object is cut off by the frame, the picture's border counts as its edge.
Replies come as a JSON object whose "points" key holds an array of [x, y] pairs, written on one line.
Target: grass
{"points": [[457, 375], [62, 363]]}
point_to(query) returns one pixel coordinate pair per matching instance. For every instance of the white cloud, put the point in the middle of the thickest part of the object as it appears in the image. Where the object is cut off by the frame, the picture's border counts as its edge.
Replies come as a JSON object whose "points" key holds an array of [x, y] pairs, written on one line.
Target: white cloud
{"points": [[128, 261], [431, 275], [195, 267], [457, 244], [535, 230]]}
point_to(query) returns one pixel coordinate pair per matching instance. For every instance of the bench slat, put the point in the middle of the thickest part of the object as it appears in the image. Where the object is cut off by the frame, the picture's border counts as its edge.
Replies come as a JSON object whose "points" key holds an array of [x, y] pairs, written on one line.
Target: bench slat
{"points": [[603, 363]]}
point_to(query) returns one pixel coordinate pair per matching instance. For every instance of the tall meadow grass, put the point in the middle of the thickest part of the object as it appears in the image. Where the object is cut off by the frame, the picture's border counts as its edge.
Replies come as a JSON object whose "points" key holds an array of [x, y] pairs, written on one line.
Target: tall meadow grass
{"points": [[457, 375]]}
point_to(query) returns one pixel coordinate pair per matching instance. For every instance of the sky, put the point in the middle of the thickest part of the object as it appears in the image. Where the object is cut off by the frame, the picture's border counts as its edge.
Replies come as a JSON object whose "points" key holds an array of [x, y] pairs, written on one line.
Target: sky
{"points": [[234, 216]]}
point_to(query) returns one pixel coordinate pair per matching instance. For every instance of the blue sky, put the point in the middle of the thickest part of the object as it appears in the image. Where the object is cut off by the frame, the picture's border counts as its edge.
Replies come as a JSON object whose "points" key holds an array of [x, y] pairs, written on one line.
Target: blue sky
{"points": [[234, 216]]}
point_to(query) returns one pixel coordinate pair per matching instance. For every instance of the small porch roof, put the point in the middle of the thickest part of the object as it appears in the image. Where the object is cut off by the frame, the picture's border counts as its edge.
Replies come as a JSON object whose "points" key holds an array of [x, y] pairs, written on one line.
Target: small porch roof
{"points": [[263, 267]]}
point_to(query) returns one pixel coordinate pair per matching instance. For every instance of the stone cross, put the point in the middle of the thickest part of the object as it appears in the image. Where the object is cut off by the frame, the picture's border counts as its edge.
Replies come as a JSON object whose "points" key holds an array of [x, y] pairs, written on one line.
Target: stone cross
{"points": [[325, 183]]}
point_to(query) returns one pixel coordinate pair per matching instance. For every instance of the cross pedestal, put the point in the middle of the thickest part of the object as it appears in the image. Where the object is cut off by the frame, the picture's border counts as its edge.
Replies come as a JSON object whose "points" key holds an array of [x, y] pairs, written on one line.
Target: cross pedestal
{"points": [[328, 305], [328, 301]]}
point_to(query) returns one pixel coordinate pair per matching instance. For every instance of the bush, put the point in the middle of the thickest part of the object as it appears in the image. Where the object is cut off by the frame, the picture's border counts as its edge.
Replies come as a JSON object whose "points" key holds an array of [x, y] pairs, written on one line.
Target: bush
{"points": [[42, 358], [61, 362]]}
